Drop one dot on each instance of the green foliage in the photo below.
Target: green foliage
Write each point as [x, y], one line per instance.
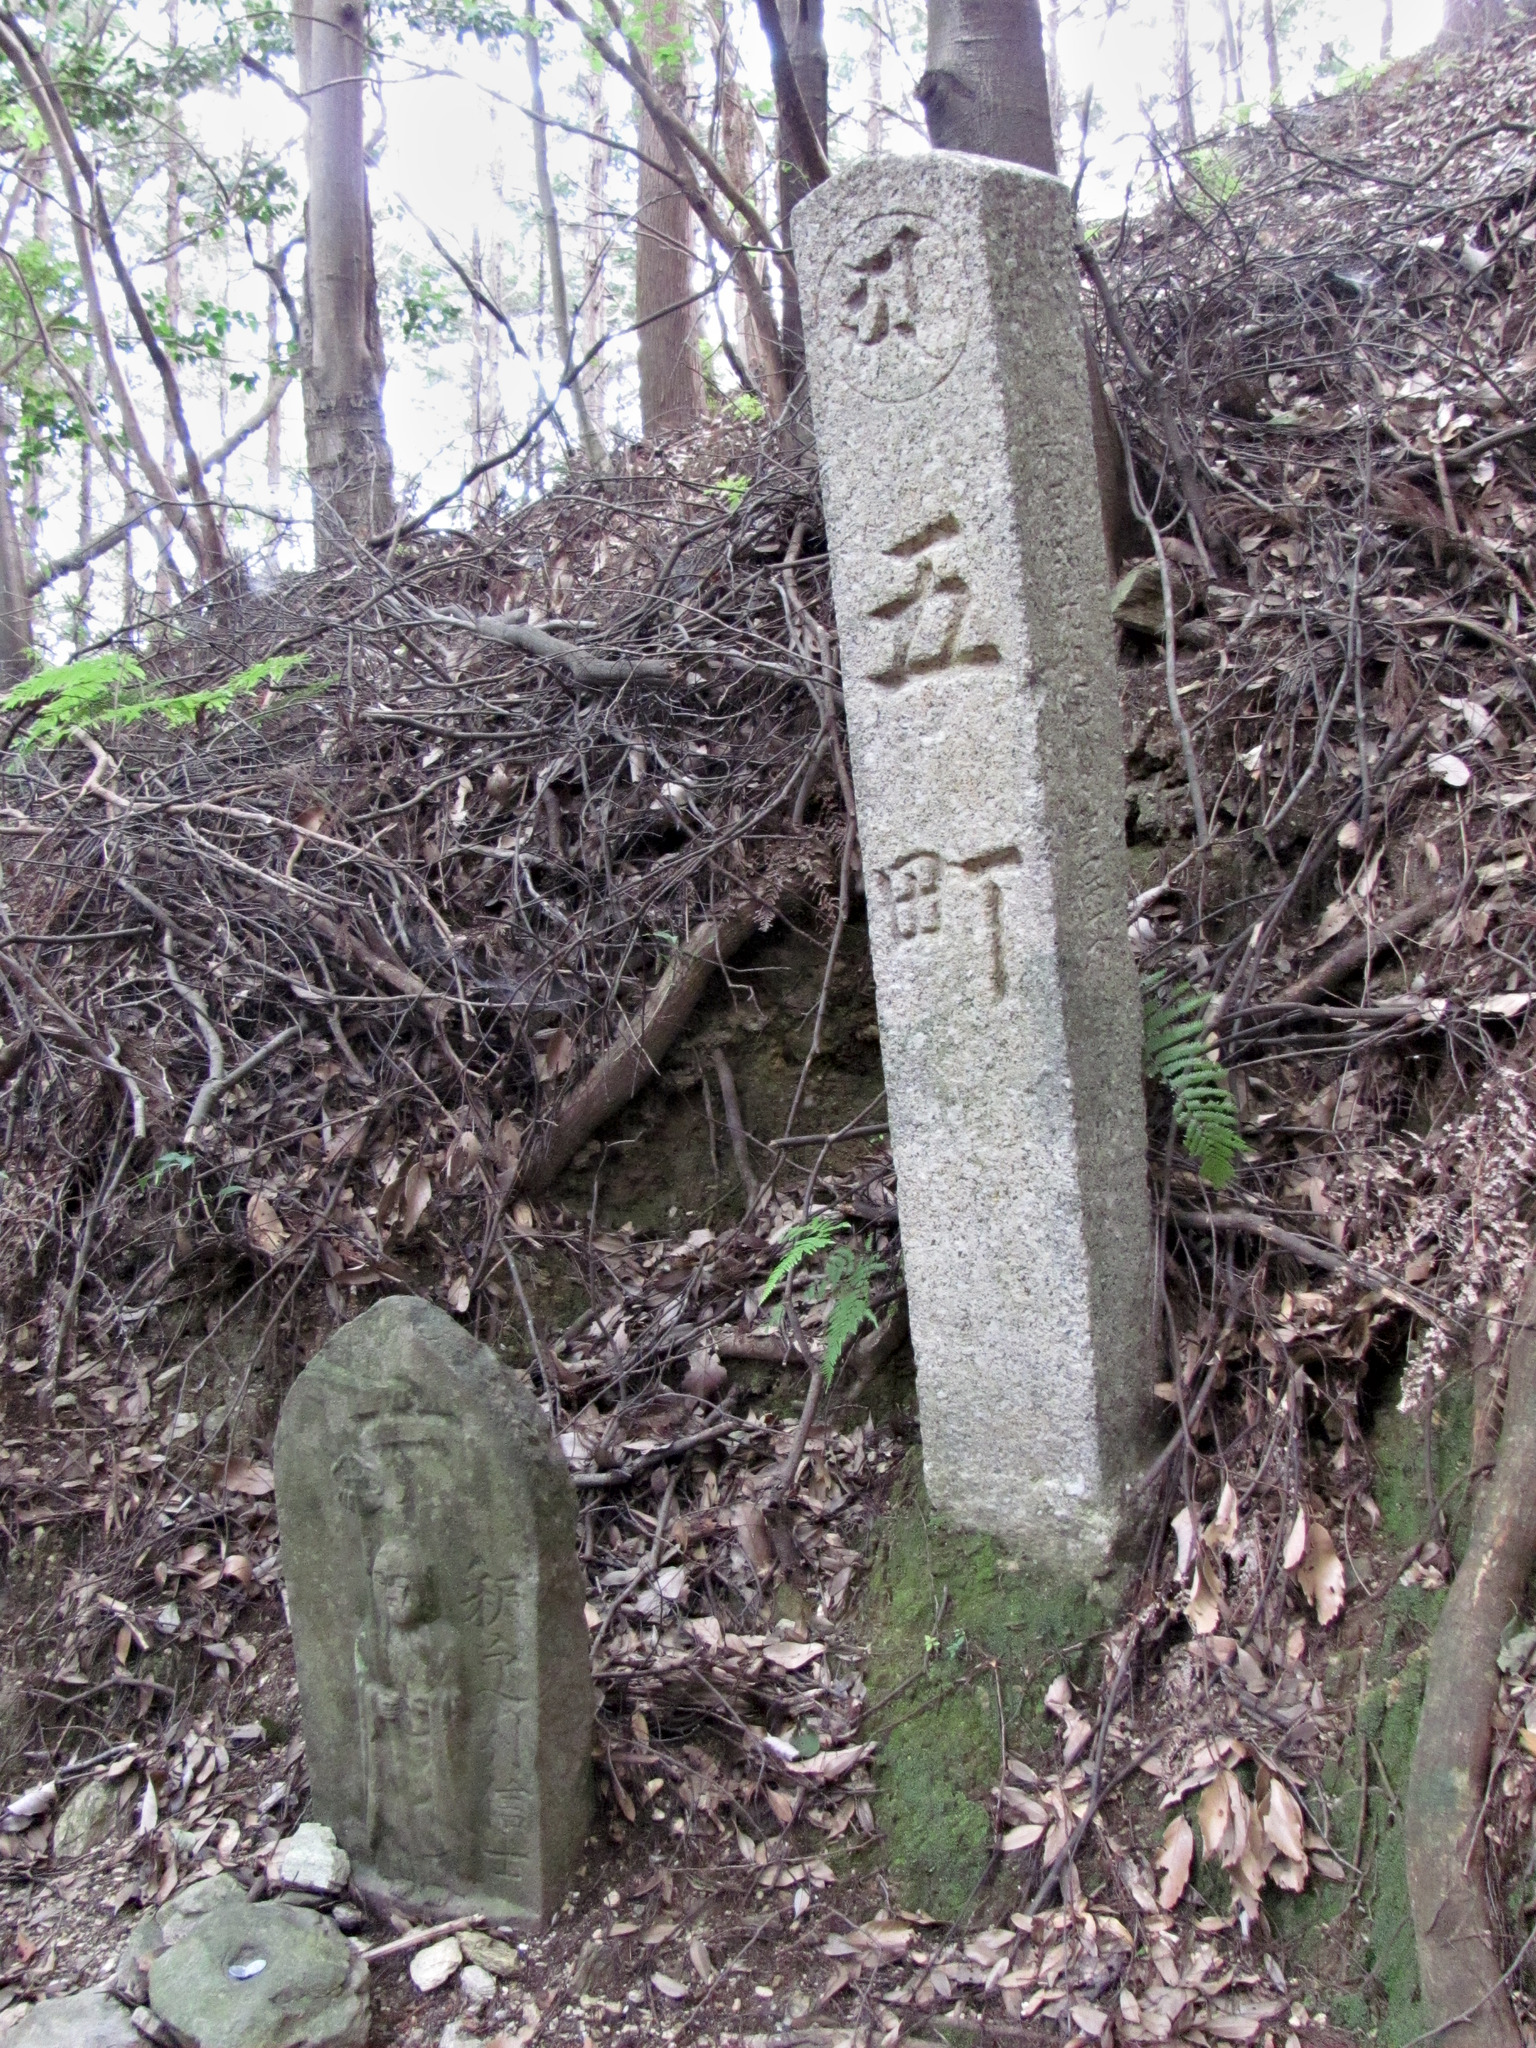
[202, 338]
[846, 1281]
[110, 689]
[746, 406]
[1215, 175]
[732, 489]
[424, 302]
[1181, 1054]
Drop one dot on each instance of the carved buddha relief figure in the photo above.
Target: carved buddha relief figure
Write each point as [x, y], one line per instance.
[411, 1702]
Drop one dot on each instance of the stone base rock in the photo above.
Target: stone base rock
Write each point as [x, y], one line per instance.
[162, 1927]
[262, 1976]
[89, 2019]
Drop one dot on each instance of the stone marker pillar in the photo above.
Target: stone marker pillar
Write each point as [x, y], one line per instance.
[428, 1527]
[944, 342]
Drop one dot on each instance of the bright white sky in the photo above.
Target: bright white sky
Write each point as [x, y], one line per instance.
[456, 155]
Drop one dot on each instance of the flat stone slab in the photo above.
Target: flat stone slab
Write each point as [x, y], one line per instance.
[161, 1927]
[945, 348]
[262, 1976]
[86, 2019]
[428, 1528]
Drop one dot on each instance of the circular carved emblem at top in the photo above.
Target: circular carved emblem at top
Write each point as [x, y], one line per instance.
[896, 328]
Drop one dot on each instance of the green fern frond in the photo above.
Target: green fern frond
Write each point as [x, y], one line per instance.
[108, 689]
[804, 1241]
[846, 1282]
[1180, 1053]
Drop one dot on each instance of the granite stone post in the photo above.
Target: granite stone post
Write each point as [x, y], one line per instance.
[428, 1527]
[945, 350]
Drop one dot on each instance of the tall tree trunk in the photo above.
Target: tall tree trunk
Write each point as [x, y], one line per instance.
[874, 54]
[671, 382]
[351, 474]
[1466, 21]
[985, 91]
[15, 609]
[275, 417]
[559, 305]
[985, 88]
[1053, 74]
[1231, 54]
[1386, 30]
[175, 151]
[1272, 52]
[594, 279]
[83, 588]
[1183, 76]
[806, 38]
[739, 153]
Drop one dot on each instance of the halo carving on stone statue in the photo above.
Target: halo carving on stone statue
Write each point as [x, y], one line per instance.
[899, 329]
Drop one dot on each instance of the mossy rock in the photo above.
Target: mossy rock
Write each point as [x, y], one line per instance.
[971, 1637]
[1357, 1938]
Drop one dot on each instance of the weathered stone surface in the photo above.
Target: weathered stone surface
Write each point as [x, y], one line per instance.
[311, 1860]
[87, 2019]
[499, 1958]
[944, 339]
[88, 1818]
[163, 1926]
[262, 1976]
[428, 1525]
[432, 1967]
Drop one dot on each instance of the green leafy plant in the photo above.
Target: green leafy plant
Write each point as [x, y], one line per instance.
[110, 689]
[846, 1280]
[1180, 1053]
[732, 489]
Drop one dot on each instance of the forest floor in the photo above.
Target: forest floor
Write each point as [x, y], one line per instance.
[304, 979]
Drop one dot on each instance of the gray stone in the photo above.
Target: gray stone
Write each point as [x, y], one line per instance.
[948, 386]
[310, 1860]
[88, 2019]
[262, 1976]
[88, 1818]
[432, 1967]
[429, 1551]
[163, 1926]
[477, 1984]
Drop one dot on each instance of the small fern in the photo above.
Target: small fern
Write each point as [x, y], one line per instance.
[110, 689]
[1181, 1053]
[846, 1281]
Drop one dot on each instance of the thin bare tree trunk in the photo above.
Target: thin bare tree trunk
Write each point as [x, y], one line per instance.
[1053, 73]
[1231, 55]
[351, 473]
[874, 60]
[174, 155]
[738, 150]
[1465, 2002]
[594, 283]
[275, 417]
[1272, 52]
[671, 381]
[1183, 76]
[15, 610]
[559, 305]
[82, 631]
[805, 38]
[1386, 30]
